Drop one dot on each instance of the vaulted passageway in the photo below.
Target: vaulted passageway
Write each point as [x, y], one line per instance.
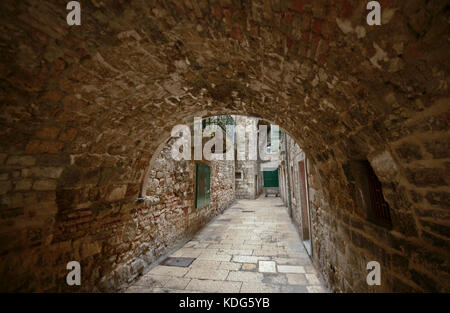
[85, 108]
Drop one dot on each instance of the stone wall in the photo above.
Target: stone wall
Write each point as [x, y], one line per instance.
[114, 241]
[413, 254]
[295, 154]
[84, 109]
[247, 187]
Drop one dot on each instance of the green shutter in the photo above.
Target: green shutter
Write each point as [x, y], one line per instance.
[271, 179]
[208, 185]
[202, 185]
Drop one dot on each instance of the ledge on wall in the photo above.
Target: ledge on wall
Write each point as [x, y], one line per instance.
[148, 200]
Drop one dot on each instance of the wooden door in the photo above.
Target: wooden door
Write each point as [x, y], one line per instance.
[306, 234]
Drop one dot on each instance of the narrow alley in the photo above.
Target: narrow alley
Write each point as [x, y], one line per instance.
[252, 247]
[286, 146]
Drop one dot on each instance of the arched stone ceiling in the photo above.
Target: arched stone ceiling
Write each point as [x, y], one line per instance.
[107, 93]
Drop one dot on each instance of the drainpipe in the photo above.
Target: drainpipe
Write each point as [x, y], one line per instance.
[288, 176]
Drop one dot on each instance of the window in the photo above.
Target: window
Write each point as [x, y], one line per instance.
[224, 122]
[275, 136]
[220, 120]
[380, 210]
[238, 175]
[202, 185]
[368, 192]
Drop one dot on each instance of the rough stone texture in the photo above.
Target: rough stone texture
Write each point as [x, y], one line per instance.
[114, 242]
[413, 254]
[96, 101]
[250, 185]
[295, 154]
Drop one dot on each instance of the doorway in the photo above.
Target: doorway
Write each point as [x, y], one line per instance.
[306, 225]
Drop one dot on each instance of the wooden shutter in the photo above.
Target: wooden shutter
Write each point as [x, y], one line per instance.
[202, 185]
[271, 179]
[303, 199]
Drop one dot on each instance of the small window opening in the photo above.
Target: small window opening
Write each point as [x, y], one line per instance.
[368, 192]
[380, 210]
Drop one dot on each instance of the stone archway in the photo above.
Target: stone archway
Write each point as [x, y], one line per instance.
[84, 109]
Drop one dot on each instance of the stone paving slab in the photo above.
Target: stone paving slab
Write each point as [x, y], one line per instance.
[248, 258]
[231, 266]
[177, 283]
[291, 269]
[248, 267]
[315, 289]
[207, 273]
[312, 279]
[152, 280]
[252, 287]
[267, 266]
[215, 257]
[169, 271]
[254, 252]
[245, 276]
[275, 278]
[297, 279]
[214, 286]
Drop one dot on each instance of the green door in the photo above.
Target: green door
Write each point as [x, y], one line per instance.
[202, 186]
[271, 179]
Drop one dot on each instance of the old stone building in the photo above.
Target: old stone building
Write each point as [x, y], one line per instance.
[294, 189]
[249, 180]
[88, 109]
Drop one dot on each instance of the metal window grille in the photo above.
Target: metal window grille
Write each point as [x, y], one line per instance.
[380, 208]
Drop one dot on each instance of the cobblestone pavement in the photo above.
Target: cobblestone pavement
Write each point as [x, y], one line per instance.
[252, 247]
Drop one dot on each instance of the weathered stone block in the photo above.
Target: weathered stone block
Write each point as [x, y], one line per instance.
[424, 280]
[384, 166]
[48, 172]
[409, 152]
[5, 186]
[37, 146]
[21, 160]
[90, 248]
[48, 132]
[443, 230]
[44, 184]
[404, 222]
[424, 177]
[23, 184]
[68, 134]
[439, 199]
